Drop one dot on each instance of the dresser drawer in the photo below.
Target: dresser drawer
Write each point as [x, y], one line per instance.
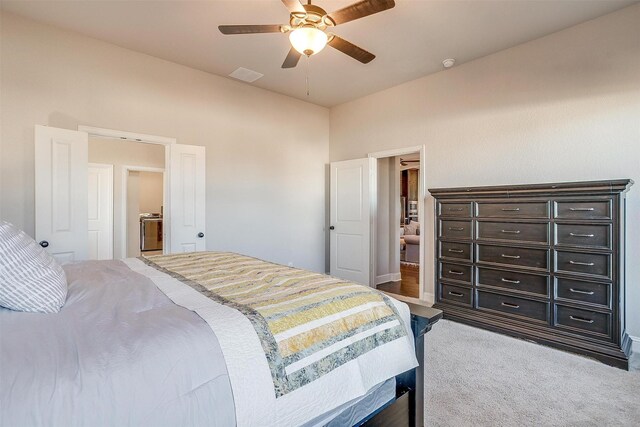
[583, 321]
[521, 257]
[592, 264]
[583, 291]
[455, 209]
[513, 210]
[595, 209]
[461, 251]
[460, 273]
[456, 294]
[513, 231]
[455, 229]
[521, 282]
[535, 310]
[592, 236]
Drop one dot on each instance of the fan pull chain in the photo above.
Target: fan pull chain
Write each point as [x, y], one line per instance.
[306, 72]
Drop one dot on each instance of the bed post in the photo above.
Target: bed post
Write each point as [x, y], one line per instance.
[422, 319]
[408, 407]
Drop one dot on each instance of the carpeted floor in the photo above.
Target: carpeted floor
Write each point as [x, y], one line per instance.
[479, 378]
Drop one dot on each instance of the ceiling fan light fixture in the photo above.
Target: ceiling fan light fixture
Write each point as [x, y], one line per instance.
[308, 40]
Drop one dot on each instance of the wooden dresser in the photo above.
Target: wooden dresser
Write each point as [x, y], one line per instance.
[543, 262]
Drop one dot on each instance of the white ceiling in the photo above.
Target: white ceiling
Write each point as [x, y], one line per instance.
[410, 40]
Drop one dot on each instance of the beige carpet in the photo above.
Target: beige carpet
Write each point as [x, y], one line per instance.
[479, 378]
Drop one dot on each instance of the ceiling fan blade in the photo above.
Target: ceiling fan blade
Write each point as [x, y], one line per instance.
[360, 10]
[292, 59]
[351, 49]
[248, 29]
[294, 6]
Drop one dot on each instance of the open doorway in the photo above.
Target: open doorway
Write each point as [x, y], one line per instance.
[62, 202]
[398, 242]
[126, 198]
[145, 211]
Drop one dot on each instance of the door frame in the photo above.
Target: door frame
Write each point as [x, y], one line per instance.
[422, 198]
[125, 181]
[109, 207]
[144, 139]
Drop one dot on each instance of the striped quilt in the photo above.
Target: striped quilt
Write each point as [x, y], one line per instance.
[308, 324]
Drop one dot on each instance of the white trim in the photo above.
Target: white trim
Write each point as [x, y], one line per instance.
[373, 219]
[391, 277]
[397, 152]
[635, 344]
[422, 198]
[123, 201]
[130, 136]
[429, 298]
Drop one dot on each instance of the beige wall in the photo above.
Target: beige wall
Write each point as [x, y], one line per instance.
[151, 186]
[63, 79]
[565, 107]
[127, 153]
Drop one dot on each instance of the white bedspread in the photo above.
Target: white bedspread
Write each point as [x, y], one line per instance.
[251, 382]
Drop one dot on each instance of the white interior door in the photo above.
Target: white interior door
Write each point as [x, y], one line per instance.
[61, 161]
[186, 182]
[350, 220]
[100, 208]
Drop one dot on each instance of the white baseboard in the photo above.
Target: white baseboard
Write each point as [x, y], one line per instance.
[428, 297]
[391, 277]
[635, 344]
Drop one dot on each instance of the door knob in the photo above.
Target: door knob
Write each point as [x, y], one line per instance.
[201, 234]
[44, 243]
[332, 228]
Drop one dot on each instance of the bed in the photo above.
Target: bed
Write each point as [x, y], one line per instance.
[216, 339]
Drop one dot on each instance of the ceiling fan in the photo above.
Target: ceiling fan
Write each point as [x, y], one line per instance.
[308, 26]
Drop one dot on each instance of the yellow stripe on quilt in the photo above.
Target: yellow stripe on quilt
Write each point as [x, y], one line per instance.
[280, 286]
[295, 295]
[295, 301]
[255, 285]
[275, 294]
[338, 327]
[296, 319]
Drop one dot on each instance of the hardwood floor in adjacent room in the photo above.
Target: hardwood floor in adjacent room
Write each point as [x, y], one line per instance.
[408, 286]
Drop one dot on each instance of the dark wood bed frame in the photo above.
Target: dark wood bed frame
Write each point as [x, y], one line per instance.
[407, 409]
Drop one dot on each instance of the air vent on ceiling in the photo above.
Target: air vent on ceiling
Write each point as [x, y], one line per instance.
[246, 75]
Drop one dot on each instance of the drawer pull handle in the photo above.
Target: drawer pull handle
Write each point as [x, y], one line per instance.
[457, 273]
[456, 294]
[581, 209]
[510, 256]
[456, 251]
[508, 304]
[580, 319]
[580, 235]
[587, 264]
[455, 209]
[456, 228]
[510, 231]
[578, 291]
[510, 209]
[510, 281]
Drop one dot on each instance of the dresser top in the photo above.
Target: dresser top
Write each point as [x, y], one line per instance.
[583, 187]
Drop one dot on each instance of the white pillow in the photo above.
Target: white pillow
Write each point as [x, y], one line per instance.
[412, 228]
[417, 225]
[30, 279]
